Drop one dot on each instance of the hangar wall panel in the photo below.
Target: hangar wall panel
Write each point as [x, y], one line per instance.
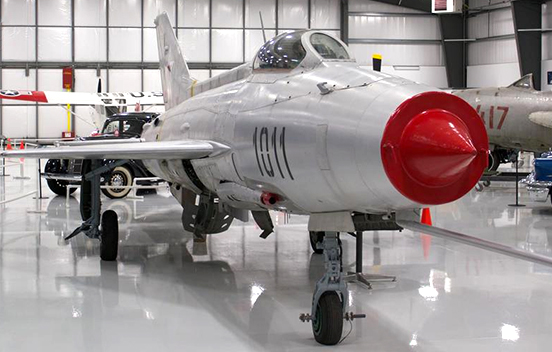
[19, 121]
[492, 52]
[87, 80]
[398, 54]
[58, 38]
[491, 24]
[50, 80]
[124, 44]
[493, 58]
[267, 9]
[325, 14]
[394, 27]
[152, 81]
[434, 76]
[374, 6]
[149, 51]
[90, 12]
[227, 13]
[293, 13]
[227, 45]
[193, 13]
[22, 12]
[90, 44]
[125, 80]
[54, 12]
[18, 44]
[483, 3]
[496, 75]
[51, 121]
[192, 42]
[124, 13]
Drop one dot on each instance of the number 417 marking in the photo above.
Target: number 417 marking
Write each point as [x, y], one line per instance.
[492, 108]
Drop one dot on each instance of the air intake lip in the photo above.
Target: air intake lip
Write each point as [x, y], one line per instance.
[434, 148]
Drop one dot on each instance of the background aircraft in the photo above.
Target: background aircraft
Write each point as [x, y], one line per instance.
[517, 117]
[105, 104]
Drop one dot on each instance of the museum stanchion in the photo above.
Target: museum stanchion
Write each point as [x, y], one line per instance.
[357, 275]
[517, 204]
[40, 196]
[3, 160]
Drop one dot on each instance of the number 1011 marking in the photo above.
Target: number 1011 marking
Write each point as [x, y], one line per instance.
[270, 151]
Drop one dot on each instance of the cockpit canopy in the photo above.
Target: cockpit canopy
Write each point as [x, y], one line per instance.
[287, 50]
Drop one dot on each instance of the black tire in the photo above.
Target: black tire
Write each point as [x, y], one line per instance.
[109, 240]
[494, 161]
[316, 237]
[59, 187]
[121, 176]
[327, 326]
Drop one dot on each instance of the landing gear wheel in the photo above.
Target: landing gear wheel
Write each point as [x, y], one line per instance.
[327, 326]
[109, 240]
[315, 238]
[486, 183]
[494, 161]
[120, 176]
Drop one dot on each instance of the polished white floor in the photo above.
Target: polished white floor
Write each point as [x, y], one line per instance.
[238, 292]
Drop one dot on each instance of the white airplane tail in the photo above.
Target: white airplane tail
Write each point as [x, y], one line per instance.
[175, 76]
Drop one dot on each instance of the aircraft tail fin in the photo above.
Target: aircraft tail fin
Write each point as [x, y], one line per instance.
[175, 76]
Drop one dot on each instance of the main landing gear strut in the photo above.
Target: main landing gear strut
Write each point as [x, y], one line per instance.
[108, 232]
[330, 298]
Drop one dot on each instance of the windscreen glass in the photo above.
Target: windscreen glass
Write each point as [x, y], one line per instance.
[328, 47]
[282, 52]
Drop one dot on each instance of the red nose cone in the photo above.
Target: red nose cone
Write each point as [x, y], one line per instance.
[434, 148]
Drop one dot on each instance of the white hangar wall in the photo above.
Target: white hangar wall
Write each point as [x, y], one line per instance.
[492, 57]
[120, 36]
[408, 40]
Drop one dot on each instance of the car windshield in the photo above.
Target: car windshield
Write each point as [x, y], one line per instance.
[328, 47]
[282, 52]
[111, 127]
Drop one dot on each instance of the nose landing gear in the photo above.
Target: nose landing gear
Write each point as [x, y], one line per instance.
[330, 295]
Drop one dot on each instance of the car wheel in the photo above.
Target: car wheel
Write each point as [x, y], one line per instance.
[59, 187]
[121, 176]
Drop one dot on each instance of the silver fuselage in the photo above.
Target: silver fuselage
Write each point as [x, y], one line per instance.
[505, 113]
[288, 138]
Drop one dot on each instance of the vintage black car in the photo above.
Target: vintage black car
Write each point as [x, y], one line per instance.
[60, 174]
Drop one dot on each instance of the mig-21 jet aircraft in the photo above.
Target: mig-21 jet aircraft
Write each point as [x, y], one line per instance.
[301, 129]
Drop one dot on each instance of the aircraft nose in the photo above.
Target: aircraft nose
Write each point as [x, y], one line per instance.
[434, 148]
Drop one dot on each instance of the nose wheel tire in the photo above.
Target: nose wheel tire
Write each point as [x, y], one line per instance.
[315, 238]
[109, 240]
[120, 176]
[327, 326]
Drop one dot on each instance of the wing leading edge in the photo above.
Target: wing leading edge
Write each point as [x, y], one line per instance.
[165, 150]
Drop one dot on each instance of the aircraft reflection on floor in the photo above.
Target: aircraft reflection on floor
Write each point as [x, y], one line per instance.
[242, 291]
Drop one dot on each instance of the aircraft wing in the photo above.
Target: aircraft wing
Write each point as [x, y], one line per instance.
[543, 118]
[140, 150]
[79, 98]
